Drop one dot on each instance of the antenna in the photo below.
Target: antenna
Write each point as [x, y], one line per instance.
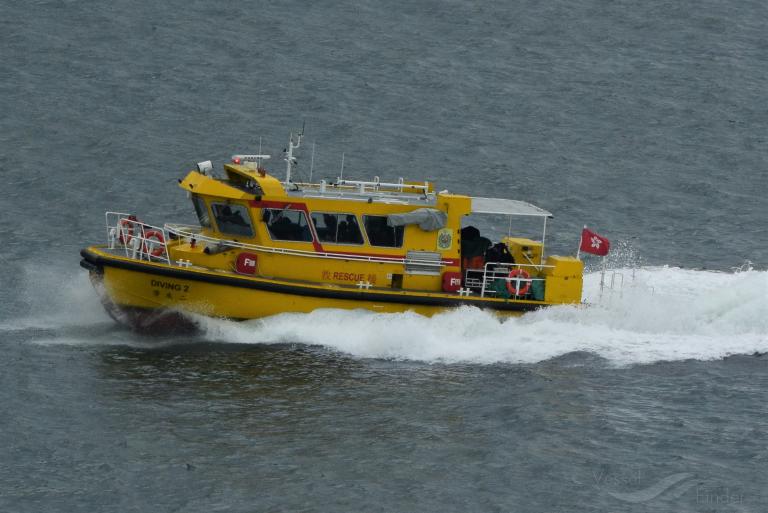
[312, 163]
[258, 162]
[341, 173]
[290, 160]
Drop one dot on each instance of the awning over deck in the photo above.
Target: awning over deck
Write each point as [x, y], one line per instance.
[507, 207]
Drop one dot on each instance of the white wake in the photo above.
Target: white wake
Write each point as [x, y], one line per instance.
[664, 313]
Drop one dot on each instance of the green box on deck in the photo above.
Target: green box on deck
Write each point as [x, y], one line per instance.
[500, 287]
[537, 290]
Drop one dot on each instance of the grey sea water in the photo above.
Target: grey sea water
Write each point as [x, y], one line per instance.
[646, 121]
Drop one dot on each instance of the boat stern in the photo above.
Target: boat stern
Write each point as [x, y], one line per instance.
[564, 278]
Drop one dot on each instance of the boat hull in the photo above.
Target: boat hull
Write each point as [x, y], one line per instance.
[156, 297]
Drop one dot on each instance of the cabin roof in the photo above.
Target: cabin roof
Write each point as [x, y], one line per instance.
[367, 197]
[250, 183]
[506, 207]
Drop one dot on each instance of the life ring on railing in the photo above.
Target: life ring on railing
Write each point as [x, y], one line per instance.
[517, 275]
[126, 228]
[154, 239]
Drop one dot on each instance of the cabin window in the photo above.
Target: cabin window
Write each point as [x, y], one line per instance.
[337, 228]
[202, 211]
[285, 224]
[232, 219]
[381, 234]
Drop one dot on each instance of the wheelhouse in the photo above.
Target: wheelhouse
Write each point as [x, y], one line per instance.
[400, 235]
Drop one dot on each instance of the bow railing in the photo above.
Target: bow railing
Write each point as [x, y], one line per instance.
[139, 240]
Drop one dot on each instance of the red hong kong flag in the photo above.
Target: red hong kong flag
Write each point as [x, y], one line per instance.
[594, 243]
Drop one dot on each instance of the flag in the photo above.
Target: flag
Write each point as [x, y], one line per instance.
[594, 243]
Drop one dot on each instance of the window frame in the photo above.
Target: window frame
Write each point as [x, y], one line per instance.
[367, 235]
[198, 200]
[360, 229]
[312, 237]
[251, 226]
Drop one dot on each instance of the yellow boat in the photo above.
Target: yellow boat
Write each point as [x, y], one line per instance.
[265, 246]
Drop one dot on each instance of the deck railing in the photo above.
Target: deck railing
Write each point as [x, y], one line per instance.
[193, 232]
[140, 241]
[494, 271]
[143, 241]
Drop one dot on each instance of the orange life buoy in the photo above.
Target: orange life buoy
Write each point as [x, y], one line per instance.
[517, 275]
[127, 228]
[156, 241]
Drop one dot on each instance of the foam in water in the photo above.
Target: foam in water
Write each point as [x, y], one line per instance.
[55, 298]
[664, 313]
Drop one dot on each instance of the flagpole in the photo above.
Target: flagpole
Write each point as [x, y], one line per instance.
[602, 278]
[578, 250]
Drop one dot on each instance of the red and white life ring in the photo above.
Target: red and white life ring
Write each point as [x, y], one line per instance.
[154, 243]
[517, 276]
[126, 229]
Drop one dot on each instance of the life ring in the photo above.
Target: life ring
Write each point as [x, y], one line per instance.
[155, 240]
[126, 228]
[517, 275]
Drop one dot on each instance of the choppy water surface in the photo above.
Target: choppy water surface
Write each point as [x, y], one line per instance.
[645, 121]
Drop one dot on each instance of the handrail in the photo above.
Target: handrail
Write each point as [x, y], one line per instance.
[494, 274]
[184, 231]
[132, 234]
[138, 246]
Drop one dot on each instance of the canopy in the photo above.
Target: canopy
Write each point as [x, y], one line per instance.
[428, 219]
[506, 207]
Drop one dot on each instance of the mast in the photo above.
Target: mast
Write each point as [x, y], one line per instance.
[290, 160]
